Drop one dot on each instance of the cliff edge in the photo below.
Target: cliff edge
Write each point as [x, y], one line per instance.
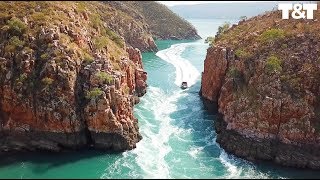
[67, 80]
[263, 78]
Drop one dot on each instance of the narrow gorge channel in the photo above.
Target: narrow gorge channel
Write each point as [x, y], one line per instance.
[178, 134]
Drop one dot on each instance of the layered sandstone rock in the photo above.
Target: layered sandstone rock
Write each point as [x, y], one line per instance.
[66, 86]
[267, 91]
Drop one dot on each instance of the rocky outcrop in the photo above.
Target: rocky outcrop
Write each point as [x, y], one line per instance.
[306, 156]
[212, 78]
[266, 87]
[158, 20]
[140, 74]
[65, 86]
[130, 28]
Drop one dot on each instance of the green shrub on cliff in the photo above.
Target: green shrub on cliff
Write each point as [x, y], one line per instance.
[272, 35]
[223, 28]
[273, 64]
[242, 53]
[118, 41]
[87, 58]
[243, 18]
[96, 20]
[126, 90]
[94, 93]
[16, 26]
[284, 46]
[39, 17]
[209, 40]
[27, 50]
[21, 79]
[104, 77]
[116, 66]
[100, 42]
[81, 7]
[114, 37]
[233, 72]
[47, 81]
[15, 41]
[13, 44]
[44, 56]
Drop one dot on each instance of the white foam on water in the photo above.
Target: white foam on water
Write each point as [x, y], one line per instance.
[194, 151]
[151, 150]
[149, 155]
[246, 171]
[227, 162]
[185, 71]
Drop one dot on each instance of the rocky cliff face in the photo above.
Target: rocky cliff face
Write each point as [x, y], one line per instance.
[157, 19]
[263, 75]
[67, 81]
[130, 25]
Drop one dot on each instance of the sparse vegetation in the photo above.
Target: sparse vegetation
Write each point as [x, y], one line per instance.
[210, 40]
[21, 78]
[87, 58]
[223, 28]
[47, 81]
[9, 48]
[104, 77]
[14, 44]
[161, 20]
[272, 35]
[284, 46]
[273, 64]
[234, 72]
[114, 37]
[100, 42]
[15, 41]
[96, 20]
[27, 50]
[94, 93]
[116, 66]
[118, 41]
[81, 7]
[240, 53]
[243, 18]
[16, 26]
[40, 17]
[64, 38]
[44, 56]
[127, 90]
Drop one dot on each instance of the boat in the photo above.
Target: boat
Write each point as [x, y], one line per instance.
[184, 85]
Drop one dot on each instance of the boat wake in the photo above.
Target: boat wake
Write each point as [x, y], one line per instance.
[185, 71]
[178, 141]
[154, 120]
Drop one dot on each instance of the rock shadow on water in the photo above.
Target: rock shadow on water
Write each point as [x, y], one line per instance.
[44, 161]
[201, 122]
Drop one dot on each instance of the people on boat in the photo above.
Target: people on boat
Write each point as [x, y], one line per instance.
[184, 85]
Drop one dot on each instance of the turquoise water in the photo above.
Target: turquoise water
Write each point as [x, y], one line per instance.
[178, 134]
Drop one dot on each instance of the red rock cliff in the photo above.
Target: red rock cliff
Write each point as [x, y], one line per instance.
[66, 83]
[266, 85]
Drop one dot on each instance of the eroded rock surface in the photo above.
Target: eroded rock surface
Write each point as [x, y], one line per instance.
[66, 84]
[266, 87]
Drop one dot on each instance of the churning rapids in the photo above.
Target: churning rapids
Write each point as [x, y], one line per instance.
[178, 135]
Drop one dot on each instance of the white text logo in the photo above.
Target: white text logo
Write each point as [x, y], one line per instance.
[299, 10]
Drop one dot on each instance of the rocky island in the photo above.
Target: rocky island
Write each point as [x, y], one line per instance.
[71, 72]
[263, 78]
